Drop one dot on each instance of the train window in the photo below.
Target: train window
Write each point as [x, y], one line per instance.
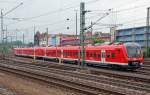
[108, 55]
[91, 54]
[113, 55]
[66, 53]
[94, 55]
[118, 51]
[99, 55]
[70, 53]
[63, 53]
[76, 54]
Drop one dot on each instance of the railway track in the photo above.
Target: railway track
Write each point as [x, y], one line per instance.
[102, 79]
[59, 80]
[127, 85]
[135, 76]
[143, 70]
[75, 83]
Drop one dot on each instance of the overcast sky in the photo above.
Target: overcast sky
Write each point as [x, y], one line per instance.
[52, 14]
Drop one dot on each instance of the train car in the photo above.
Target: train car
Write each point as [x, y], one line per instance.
[127, 55]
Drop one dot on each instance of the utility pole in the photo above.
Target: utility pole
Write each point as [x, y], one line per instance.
[34, 57]
[6, 35]
[23, 39]
[76, 35]
[34, 36]
[113, 33]
[17, 37]
[2, 26]
[147, 30]
[47, 36]
[10, 41]
[2, 30]
[82, 28]
[92, 38]
[76, 24]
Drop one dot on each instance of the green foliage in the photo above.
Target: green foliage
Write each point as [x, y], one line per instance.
[17, 43]
[98, 41]
[146, 52]
[5, 48]
[30, 44]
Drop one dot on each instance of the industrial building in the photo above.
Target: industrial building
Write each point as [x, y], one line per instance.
[135, 34]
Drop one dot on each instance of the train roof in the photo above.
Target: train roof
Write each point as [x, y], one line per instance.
[76, 47]
[112, 46]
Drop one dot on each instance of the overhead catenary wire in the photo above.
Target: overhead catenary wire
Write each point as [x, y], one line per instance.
[124, 9]
[56, 11]
[54, 23]
[62, 21]
[121, 10]
[13, 9]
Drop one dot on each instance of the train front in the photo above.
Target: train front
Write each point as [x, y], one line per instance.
[134, 55]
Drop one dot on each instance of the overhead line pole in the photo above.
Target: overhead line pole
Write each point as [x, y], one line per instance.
[92, 38]
[34, 57]
[6, 35]
[147, 30]
[2, 24]
[34, 34]
[2, 30]
[23, 39]
[76, 24]
[47, 37]
[82, 29]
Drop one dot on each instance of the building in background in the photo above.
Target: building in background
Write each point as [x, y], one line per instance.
[88, 38]
[44, 39]
[54, 40]
[136, 34]
[113, 34]
[70, 41]
[102, 36]
[37, 38]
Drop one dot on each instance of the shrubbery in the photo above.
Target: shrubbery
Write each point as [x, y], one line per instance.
[146, 52]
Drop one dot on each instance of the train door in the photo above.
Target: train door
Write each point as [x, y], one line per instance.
[61, 55]
[103, 54]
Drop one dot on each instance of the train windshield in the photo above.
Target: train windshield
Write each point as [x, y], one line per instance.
[133, 50]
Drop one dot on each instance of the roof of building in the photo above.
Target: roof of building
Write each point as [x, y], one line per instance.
[131, 28]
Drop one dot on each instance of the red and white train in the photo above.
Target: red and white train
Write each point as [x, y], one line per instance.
[127, 55]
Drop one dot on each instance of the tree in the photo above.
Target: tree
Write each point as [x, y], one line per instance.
[98, 41]
[30, 44]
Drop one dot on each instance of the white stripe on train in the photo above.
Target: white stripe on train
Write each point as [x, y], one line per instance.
[71, 59]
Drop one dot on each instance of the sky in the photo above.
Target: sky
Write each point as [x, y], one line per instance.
[53, 14]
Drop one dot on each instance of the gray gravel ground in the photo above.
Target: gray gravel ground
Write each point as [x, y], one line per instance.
[5, 91]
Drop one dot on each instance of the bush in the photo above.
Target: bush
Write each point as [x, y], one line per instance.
[146, 52]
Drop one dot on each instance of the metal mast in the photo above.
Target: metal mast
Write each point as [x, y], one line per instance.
[147, 30]
[82, 28]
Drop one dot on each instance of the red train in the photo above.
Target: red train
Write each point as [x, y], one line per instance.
[127, 55]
